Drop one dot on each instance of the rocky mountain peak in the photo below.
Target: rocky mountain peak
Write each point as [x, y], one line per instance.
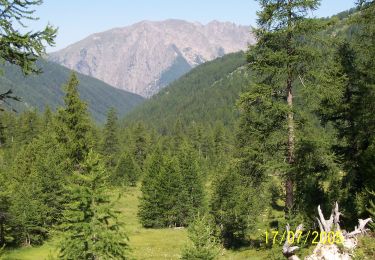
[145, 57]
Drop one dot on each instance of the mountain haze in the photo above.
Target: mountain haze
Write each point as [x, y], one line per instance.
[147, 56]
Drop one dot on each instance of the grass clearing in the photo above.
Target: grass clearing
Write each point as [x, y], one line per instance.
[145, 243]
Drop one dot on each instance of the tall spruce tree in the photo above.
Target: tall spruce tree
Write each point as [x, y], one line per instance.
[150, 212]
[91, 227]
[191, 194]
[140, 144]
[110, 143]
[73, 123]
[170, 185]
[279, 60]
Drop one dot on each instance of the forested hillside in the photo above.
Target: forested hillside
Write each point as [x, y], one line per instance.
[206, 94]
[38, 91]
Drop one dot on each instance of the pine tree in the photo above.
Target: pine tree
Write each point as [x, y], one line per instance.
[172, 189]
[361, 165]
[351, 112]
[91, 228]
[36, 189]
[73, 123]
[28, 127]
[127, 171]
[280, 58]
[110, 144]
[203, 245]
[47, 118]
[170, 183]
[27, 210]
[235, 207]
[150, 211]
[141, 143]
[191, 194]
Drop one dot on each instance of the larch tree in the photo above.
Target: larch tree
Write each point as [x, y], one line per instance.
[22, 48]
[352, 112]
[280, 59]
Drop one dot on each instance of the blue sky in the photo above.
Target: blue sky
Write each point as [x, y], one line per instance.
[77, 19]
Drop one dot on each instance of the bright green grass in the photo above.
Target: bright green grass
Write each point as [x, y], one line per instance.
[144, 243]
[32, 253]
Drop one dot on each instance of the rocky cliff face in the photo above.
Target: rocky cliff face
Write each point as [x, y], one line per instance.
[145, 57]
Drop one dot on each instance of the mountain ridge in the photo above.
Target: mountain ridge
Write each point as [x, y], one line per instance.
[135, 58]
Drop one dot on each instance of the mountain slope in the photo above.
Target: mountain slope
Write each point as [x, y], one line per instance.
[45, 89]
[206, 94]
[145, 57]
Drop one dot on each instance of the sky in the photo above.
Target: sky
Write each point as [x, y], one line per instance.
[76, 19]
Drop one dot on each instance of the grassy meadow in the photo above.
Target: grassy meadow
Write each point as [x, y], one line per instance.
[145, 243]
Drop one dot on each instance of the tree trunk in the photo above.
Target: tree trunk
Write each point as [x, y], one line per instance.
[2, 220]
[289, 180]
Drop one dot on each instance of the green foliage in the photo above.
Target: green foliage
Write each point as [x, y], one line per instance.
[150, 203]
[28, 126]
[236, 208]
[73, 123]
[127, 171]
[203, 244]
[170, 183]
[40, 90]
[371, 208]
[280, 57]
[351, 112]
[366, 248]
[172, 189]
[140, 144]
[191, 193]
[207, 94]
[36, 189]
[110, 143]
[22, 49]
[90, 225]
